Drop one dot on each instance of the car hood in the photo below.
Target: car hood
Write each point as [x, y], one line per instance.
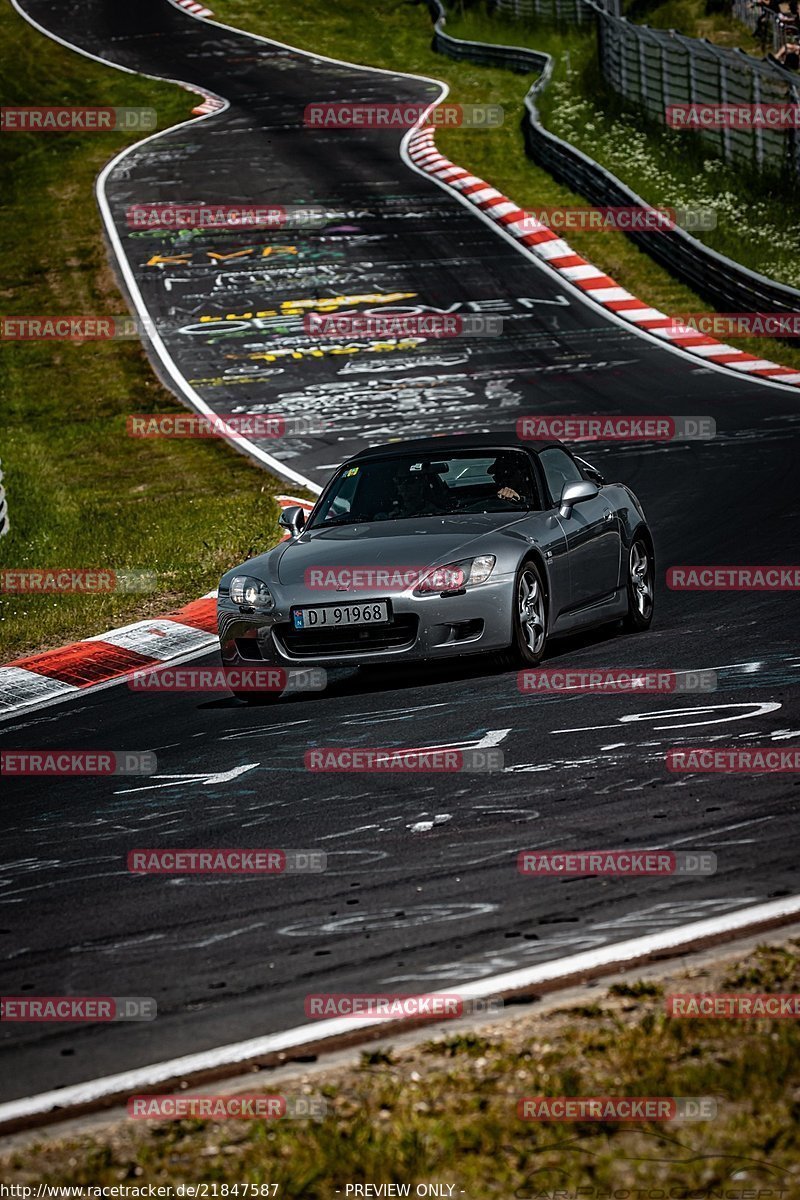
[417, 542]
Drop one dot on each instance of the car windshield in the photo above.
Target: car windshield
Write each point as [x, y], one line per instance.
[390, 489]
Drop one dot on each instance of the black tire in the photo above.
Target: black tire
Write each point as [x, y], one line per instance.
[640, 583]
[529, 639]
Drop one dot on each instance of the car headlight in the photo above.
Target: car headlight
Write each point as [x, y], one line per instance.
[454, 576]
[251, 593]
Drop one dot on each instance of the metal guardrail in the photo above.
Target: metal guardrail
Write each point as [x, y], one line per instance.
[572, 12]
[727, 285]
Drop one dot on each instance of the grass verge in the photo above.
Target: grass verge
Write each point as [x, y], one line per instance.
[444, 1110]
[80, 492]
[396, 34]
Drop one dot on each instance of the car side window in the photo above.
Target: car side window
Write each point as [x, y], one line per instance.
[342, 501]
[558, 469]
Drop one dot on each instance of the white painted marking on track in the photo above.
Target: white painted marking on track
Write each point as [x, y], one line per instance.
[206, 778]
[428, 824]
[755, 709]
[617, 953]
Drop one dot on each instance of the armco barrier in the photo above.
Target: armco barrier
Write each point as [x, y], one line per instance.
[574, 12]
[728, 286]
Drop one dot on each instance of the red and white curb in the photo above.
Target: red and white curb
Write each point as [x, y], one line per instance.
[209, 104]
[546, 245]
[27, 683]
[196, 9]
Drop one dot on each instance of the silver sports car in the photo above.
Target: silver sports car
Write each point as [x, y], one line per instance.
[438, 547]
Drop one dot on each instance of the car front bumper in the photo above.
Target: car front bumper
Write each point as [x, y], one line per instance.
[422, 627]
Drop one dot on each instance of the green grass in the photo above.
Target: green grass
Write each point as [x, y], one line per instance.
[80, 492]
[445, 1110]
[400, 39]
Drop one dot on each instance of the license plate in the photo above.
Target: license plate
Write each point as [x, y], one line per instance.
[331, 616]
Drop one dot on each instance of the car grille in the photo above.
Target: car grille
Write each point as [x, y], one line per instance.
[350, 639]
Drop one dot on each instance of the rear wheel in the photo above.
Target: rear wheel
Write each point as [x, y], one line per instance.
[641, 586]
[529, 615]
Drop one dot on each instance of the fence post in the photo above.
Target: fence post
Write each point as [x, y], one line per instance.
[759, 132]
[723, 95]
[665, 74]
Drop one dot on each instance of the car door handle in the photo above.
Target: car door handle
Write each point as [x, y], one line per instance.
[609, 516]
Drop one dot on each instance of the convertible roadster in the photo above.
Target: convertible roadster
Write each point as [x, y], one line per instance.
[440, 547]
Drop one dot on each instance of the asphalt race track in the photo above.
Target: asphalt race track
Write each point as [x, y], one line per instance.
[421, 889]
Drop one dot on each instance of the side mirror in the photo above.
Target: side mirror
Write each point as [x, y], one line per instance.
[293, 519]
[576, 493]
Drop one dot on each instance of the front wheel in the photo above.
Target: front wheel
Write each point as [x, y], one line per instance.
[529, 615]
[641, 586]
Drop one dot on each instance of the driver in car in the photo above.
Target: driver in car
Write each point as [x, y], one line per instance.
[509, 478]
[419, 494]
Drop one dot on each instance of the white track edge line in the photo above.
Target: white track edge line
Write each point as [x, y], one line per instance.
[616, 954]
